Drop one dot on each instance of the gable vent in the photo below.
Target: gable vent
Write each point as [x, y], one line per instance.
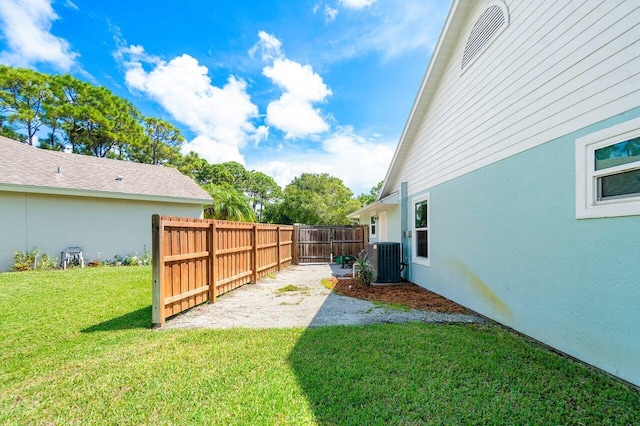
[491, 22]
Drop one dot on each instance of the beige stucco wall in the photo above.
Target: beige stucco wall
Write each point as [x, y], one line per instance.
[102, 227]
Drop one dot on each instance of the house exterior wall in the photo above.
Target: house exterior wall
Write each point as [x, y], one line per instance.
[393, 220]
[506, 243]
[102, 227]
[556, 68]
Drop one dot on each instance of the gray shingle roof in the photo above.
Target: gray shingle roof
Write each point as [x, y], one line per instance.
[26, 166]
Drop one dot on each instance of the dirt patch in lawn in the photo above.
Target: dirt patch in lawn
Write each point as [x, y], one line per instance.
[409, 295]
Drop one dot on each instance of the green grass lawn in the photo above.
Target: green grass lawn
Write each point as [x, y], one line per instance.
[77, 349]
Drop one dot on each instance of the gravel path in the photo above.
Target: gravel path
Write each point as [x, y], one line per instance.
[310, 304]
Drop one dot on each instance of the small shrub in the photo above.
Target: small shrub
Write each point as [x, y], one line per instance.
[146, 256]
[132, 259]
[365, 272]
[23, 261]
[48, 262]
[28, 260]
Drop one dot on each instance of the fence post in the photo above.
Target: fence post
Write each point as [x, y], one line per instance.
[254, 275]
[278, 246]
[212, 260]
[332, 234]
[365, 236]
[294, 246]
[157, 311]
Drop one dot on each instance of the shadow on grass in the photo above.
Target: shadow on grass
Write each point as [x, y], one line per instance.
[358, 375]
[449, 374]
[132, 320]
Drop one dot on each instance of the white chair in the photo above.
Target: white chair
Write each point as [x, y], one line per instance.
[73, 256]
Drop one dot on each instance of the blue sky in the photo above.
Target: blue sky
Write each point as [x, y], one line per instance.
[284, 87]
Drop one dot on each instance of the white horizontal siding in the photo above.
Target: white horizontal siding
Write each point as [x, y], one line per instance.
[558, 67]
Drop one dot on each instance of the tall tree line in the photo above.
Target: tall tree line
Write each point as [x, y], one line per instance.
[86, 119]
[81, 118]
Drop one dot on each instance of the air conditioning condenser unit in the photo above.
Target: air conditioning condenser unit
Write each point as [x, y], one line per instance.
[386, 262]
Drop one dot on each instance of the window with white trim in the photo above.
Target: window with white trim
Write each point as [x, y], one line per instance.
[373, 226]
[421, 237]
[608, 172]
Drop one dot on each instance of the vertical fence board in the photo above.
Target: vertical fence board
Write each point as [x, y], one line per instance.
[254, 255]
[175, 269]
[211, 261]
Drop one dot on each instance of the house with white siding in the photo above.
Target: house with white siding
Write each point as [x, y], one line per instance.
[56, 200]
[515, 187]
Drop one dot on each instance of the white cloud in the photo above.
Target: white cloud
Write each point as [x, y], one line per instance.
[293, 113]
[330, 13]
[261, 134]
[359, 162]
[26, 25]
[213, 151]
[356, 4]
[298, 80]
[71, 5]
[391, 28]
[269, 46]
[220, 116]
[296, 117]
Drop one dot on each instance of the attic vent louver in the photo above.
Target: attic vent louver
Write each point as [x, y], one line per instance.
[494, 19]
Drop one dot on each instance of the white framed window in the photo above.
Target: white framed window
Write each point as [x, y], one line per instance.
[421, 231]
[608, 172]
[373, 227]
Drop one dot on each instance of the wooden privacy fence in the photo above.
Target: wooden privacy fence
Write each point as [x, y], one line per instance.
[195, 260]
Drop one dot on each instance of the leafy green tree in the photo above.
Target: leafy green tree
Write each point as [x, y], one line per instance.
[230, 173]
[23, 96]
[191, 165]
[371, 196]
[161, 144]
[262, 190]
[92, 120]
[52, 143]
[117, 127]
[8, 131]
[228, 204]
[314, 199]
[62, 117]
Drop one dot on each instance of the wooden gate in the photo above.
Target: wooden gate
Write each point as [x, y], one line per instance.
[320, 244]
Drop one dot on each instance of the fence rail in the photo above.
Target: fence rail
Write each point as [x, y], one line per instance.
[195, 260]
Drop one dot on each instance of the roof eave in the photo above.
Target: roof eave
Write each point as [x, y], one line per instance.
[47, 190]
[391, 199]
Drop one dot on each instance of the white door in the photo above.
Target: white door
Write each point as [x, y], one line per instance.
[382, 225]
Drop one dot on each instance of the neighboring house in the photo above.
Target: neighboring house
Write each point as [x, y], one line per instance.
[515, 186]
[54, 200]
